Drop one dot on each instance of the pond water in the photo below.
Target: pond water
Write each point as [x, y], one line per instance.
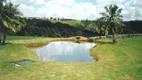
[65, 52]
[23, 62]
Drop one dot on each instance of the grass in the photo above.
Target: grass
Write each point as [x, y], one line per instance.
[121, 61]
[73, 23]
[21, 37]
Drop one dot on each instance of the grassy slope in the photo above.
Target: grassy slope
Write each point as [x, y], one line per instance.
[122, 61]
[21, 37]
[74, 23]
[117, 62]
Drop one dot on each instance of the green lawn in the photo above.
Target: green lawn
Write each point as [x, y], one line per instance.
[21, 37]
[122, 61]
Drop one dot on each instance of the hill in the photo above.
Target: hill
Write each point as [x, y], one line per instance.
[52, 28]
[68, 28]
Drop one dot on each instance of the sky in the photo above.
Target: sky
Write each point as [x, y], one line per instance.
[78, 9]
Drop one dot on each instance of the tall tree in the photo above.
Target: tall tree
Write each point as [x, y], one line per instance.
[1, 8]
[113, 20]
[9, 18]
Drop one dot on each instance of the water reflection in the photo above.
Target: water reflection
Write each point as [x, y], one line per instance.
[65, 52]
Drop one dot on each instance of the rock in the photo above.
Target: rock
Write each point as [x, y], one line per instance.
[17, 65]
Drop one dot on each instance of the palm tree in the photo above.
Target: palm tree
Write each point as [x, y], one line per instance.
[1, 9]
[113, 20]
[9, 18]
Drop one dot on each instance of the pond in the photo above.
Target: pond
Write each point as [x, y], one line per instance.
[22, 62]
[63, 51]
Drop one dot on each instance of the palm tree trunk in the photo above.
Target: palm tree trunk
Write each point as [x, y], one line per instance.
[113, 39]
[0, 38]
[0, 33]
[4, 38]
[100, 35]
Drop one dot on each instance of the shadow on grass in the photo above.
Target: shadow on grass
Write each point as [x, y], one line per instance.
[102, 42]
[5, 44]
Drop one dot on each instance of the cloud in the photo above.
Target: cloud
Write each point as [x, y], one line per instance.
[37, 1]
[132, 9]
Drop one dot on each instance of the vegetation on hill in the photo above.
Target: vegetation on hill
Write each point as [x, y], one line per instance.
[73, 23]
[133, 27]
[67, 28]
[43, 27]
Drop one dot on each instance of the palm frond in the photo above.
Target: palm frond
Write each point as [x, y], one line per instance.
[10, 16]
[112, 19]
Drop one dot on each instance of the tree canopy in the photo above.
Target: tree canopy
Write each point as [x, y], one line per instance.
[112, 19]
[10, 18]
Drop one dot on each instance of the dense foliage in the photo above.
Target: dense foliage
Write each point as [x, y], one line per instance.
[44, 27]
[133, 27]
[66, 28]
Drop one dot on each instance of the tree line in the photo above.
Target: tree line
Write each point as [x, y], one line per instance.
[43, 27]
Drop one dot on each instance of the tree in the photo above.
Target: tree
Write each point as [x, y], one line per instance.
[100, 26]
[1, 5]
[113, 20]
[9, 18]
